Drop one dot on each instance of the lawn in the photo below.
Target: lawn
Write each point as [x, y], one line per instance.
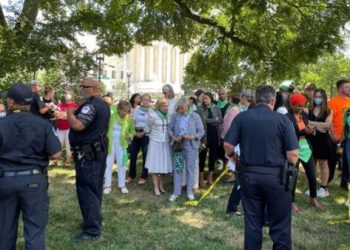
[142, 221]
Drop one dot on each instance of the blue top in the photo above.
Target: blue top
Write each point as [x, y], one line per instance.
[264, 137]
[183, 124]
[26, 142]
[194, 127]
[140, 117]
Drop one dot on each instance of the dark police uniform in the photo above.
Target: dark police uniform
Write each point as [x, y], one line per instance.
[264, 137]
[37, 104]
[90, 152]
[26, 141]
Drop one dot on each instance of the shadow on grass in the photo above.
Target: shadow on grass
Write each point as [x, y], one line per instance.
[142, 221]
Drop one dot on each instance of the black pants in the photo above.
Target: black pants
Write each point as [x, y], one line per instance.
[134, 149]
[26, 195]
[333, 161]
[89, 184]
[310, 172]
[235, 198]
[264, 197]
[212, 145]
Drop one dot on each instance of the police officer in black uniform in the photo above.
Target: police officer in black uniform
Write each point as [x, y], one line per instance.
[267, 140]
[26, 144]
[88, 139]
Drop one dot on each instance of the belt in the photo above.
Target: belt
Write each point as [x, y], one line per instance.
[262, 170]
[20, 173]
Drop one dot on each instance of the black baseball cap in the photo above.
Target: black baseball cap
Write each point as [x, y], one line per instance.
[21, 94]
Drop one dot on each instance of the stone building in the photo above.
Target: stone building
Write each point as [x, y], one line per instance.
[145, 69]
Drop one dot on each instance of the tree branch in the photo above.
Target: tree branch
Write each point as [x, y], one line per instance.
[27, 18]
[2, 18]
[230, 34]
[297, 7]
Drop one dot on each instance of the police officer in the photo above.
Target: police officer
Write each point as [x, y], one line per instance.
[26, 144]
[38, 107]
[88, 139]
[267, 139]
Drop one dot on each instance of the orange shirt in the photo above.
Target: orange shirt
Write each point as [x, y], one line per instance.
[338, 105]
[300, 122]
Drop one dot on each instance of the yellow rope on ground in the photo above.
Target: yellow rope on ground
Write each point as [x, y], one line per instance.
[206, 193]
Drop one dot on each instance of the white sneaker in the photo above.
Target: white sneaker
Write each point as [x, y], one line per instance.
[191, 197]
[124, 190]
[322, 192]
[346, 203]
[107, 190]
[307, 192]
[173, 197]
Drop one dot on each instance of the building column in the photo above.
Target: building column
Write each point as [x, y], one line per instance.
[177, 65]
[151, 64]
[142, 64]
[160, 63]
[125, 67]
[168, 64]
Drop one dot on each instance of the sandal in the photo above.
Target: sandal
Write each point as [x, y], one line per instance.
[142, 181]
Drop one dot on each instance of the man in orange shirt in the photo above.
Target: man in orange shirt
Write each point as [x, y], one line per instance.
[339, 104]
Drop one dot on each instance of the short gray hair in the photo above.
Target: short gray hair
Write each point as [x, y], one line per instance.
[183, 101]
[35, 82]
[169, 88]
[249, 94]
[265, 94]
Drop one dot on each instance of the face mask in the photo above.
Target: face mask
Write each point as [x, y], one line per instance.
[318, 101]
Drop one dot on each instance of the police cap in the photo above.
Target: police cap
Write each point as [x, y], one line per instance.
[21, 94]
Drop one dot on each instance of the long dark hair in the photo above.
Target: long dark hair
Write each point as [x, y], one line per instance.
[211, 97]
[324, 109]
[132, 99]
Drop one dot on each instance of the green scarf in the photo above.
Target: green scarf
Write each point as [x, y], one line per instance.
[304, 150]
[162, 115]
[189, 111]
[222, 104]
[144, 109]
[128, 128]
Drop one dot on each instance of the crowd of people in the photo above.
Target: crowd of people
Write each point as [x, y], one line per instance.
[182, 136]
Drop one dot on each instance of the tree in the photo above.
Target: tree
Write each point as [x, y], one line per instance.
[29, 43]
[242, 40]
[270, 37]
[326, 72]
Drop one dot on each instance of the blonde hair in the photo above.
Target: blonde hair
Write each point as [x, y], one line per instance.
[160, 102]
[123, 104]
[146, 95]
[108, 100]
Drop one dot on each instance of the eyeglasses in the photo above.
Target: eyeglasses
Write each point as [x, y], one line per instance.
[85, 86]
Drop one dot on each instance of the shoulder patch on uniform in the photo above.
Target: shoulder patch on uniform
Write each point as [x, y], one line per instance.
[85, 110]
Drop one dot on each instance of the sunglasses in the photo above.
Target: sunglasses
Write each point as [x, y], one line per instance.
[85, 86]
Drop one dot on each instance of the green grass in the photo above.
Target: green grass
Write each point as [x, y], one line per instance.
[142, 221]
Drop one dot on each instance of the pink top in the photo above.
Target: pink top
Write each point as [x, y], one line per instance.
[64, 124]
[230, 115]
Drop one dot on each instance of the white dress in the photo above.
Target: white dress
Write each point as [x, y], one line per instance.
[158, 160]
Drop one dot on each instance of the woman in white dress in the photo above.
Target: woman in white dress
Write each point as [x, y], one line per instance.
[158, 160]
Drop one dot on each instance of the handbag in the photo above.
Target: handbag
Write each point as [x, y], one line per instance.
[177, 146]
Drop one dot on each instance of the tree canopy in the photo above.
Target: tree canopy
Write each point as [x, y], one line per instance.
[234, 41]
